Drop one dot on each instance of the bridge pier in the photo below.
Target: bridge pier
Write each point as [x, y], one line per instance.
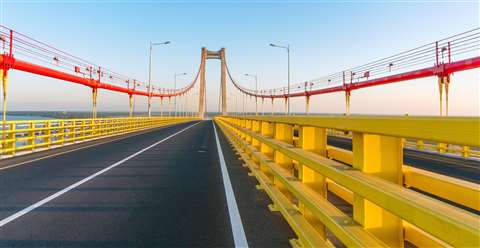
[347, 102]
[307, 105]
[272, 105]
[130, 102]
[443, 84]
[169, 106]
[94, 102]
[161, 106]
[261, 106]
[4, 78]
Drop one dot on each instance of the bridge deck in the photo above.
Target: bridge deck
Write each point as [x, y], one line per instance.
[171, 194]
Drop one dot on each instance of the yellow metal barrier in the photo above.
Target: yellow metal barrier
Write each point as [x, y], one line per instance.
[422, 145]
[296, 174]
[34, 135]
[455, 190]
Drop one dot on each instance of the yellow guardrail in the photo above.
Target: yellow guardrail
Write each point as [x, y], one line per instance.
[461, 150]
[34, 135]
[386, 212]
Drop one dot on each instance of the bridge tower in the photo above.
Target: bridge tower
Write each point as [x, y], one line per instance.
[206, 54]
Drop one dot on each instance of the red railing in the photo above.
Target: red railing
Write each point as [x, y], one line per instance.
[23, 53]
[440, 58]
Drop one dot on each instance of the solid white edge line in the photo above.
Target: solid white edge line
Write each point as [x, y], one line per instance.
[239, 237]
[65, 190]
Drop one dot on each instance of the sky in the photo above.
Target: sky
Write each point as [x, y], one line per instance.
[325, 37]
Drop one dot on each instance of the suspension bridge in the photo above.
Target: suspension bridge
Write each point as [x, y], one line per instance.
[247, 178]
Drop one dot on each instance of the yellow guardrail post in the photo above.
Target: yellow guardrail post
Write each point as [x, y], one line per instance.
[72, 132]
[94, 127]
[256, 128]
[31, 136]
[315, 140]
[267, 130]
[465, 151]
[83, 124]
[381, 156]
[420, 145]
[47, 139]
[442, 147]
[61, 132]
[283, 132]
[11, 143]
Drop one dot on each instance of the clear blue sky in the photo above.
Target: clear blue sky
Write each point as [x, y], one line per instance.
[325, 37]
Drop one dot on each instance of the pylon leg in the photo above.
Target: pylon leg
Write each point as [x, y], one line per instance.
[286, 105]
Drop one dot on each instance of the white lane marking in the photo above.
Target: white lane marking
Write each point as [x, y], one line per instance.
[63, 191]
[239, 237]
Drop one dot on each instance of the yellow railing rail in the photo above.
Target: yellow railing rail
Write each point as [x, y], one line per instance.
[298, 174]
[422, 145]
[33, 135]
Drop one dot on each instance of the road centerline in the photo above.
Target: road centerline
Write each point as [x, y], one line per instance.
[32, 207]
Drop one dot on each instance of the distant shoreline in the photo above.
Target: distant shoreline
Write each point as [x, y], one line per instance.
[43, 115]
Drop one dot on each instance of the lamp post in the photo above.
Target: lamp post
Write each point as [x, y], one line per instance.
[175, 88]
[256, 90]
[288, 61]
[152, 44]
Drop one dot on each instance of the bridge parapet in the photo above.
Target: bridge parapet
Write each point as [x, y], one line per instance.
[293, 163]
[36, 135]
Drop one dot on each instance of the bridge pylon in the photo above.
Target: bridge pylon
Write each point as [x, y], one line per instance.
[206, 54]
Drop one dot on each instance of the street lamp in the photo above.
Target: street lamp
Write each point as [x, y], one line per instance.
[152, 44]
[256, 90]
[175, 88]
[288, 58]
